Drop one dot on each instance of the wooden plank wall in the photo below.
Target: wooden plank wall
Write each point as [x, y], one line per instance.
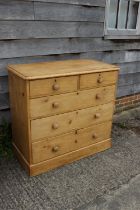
[44, 30]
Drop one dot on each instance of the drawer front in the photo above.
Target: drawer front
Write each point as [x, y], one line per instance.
[50, 148]
[51, 105]
[53, 86]
[58, 124]
[98, 79]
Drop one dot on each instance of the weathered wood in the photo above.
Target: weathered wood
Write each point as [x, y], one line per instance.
[100, 3]
[49, 29]
[4, 101]
[128, 68]
[5, 116]
[112, 56]
[137, 78]
[126, 79]
[129, 79]
[33, 47]
[137, 88]
[48, 11]
[3, 85]
[125, 90]
[16, 10]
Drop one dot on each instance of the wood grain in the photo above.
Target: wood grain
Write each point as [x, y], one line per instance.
[100, 3]
[16, 10]
[98, 79]
[52, 105]
[81, 125]
[57, 146]
[44, 127]
[60, 68]
[20, 48]
[19, 108]
[49, 29]
[66, 12]
[70, 157]
[46, 87]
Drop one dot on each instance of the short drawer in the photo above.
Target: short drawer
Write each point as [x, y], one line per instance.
[63, 123]
[43, 87]
[51, 105]
[98, 79]
[50, 148]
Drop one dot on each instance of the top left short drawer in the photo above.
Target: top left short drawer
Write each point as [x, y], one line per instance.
[53, 86]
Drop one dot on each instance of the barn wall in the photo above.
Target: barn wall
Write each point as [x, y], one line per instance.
[44, 30]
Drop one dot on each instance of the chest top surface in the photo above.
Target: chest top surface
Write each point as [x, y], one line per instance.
[59, 68]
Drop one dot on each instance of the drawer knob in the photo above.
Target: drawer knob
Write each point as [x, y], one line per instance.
[97, 115]
[56, 87]
[55, 126]
[100, 80]
[46, 99]
[94, 136]
[98, 96]
[55, 105]
[55, 149]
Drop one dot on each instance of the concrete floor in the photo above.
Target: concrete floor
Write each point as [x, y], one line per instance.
[107, 181]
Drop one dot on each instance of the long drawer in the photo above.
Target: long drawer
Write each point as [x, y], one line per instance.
[63, 123]
[50, 148]
[51, 105]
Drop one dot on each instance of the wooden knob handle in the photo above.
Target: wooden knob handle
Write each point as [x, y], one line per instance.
[55, 126]
[46, 99]
[100, 80]
[55, 149]
[98, 96]
[56, 87]
[97, 115]
[55, 105]
[94, 136]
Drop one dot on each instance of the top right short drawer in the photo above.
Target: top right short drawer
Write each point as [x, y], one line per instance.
[88, 81]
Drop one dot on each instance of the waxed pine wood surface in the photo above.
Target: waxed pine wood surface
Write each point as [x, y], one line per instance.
[60, 68]
[67, 114]
[69, 157]
[55, 125]
[57, 104]
[47, 86]
[98, 79]
[62, 144]
[19, 113]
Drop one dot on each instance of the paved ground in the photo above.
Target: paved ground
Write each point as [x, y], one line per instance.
[126, 198]
[106, 181]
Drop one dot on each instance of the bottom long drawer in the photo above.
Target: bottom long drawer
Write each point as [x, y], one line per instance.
[53, 147]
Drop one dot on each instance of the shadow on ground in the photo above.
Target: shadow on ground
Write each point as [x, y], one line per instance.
[77, 185]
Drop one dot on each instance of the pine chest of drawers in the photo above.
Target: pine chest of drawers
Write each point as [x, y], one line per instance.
[61, 111]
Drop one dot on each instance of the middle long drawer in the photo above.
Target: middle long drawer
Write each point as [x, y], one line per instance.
[51, 105]
[63, 123]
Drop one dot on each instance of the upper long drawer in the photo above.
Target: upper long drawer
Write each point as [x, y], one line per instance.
[57, 104]
[98, 79]
[43, 87]
[58, 124]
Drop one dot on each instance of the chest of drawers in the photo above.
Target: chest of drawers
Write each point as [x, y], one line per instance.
[61, 111]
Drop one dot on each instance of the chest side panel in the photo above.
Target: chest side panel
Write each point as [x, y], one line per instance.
[18, 89]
